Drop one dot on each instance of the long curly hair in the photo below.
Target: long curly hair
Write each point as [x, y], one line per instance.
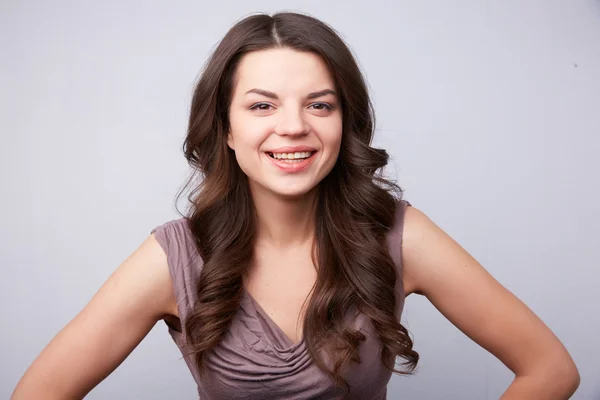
[356, 206]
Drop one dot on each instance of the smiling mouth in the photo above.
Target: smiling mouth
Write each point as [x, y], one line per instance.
[292, 158]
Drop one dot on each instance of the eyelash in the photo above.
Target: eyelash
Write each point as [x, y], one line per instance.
[326, 106]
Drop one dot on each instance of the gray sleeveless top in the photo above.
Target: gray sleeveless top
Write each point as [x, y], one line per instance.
[255, 359]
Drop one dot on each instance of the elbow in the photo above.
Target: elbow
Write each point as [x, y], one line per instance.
[573, 380]
[569, 375]
[563, 376]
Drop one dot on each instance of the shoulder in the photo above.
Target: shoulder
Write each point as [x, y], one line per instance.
[410, 225]
[176, 239]
[173, 231]
[430, 256]
[395, 238]
[420, 235]
[183, 260]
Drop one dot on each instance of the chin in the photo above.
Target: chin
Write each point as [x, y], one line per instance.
[292, 191]
[286, 188]
[295, 193]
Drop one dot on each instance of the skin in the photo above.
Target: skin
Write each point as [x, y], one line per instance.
[272, 106]
[438, 268]
[140, 292]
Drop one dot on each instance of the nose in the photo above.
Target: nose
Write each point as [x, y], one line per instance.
[291, 122]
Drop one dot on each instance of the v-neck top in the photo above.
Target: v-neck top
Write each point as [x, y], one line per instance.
[255, 359]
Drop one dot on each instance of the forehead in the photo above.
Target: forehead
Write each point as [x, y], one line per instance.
[282, 69]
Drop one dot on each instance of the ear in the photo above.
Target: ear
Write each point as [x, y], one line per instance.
[230, 141]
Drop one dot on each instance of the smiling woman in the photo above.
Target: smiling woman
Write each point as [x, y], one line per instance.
[291, 122]
[287, 278]
[292, 223]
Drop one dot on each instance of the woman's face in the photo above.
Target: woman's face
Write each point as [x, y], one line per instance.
[285, 121]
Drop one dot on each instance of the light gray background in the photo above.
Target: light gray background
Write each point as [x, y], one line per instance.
[491, 111]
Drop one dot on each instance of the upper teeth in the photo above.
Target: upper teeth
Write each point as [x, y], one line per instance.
[298, 154]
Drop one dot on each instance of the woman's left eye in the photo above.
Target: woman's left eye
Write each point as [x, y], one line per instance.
[322, 106]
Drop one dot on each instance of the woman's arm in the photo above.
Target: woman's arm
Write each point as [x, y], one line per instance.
[463, 291]
[102, 335]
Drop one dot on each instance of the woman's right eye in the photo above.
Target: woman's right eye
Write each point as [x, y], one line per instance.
[261, 106]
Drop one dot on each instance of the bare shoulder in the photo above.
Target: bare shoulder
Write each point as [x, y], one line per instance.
[435, 265]
[150, 261]
[144, 277]
[429, 254]
[416, 224]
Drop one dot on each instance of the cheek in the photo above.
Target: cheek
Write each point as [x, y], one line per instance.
[246, 159]
[248, 134]
[247, 149]
[332, 140]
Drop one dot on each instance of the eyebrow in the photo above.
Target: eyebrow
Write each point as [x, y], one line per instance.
[310, 96]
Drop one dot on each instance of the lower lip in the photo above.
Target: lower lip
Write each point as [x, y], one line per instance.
[296, 166]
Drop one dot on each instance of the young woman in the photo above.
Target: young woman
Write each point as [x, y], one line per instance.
[287, 278]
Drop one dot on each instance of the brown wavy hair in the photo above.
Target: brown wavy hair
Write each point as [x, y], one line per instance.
[355, 208]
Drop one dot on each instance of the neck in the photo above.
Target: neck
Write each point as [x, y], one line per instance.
[284, 222]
